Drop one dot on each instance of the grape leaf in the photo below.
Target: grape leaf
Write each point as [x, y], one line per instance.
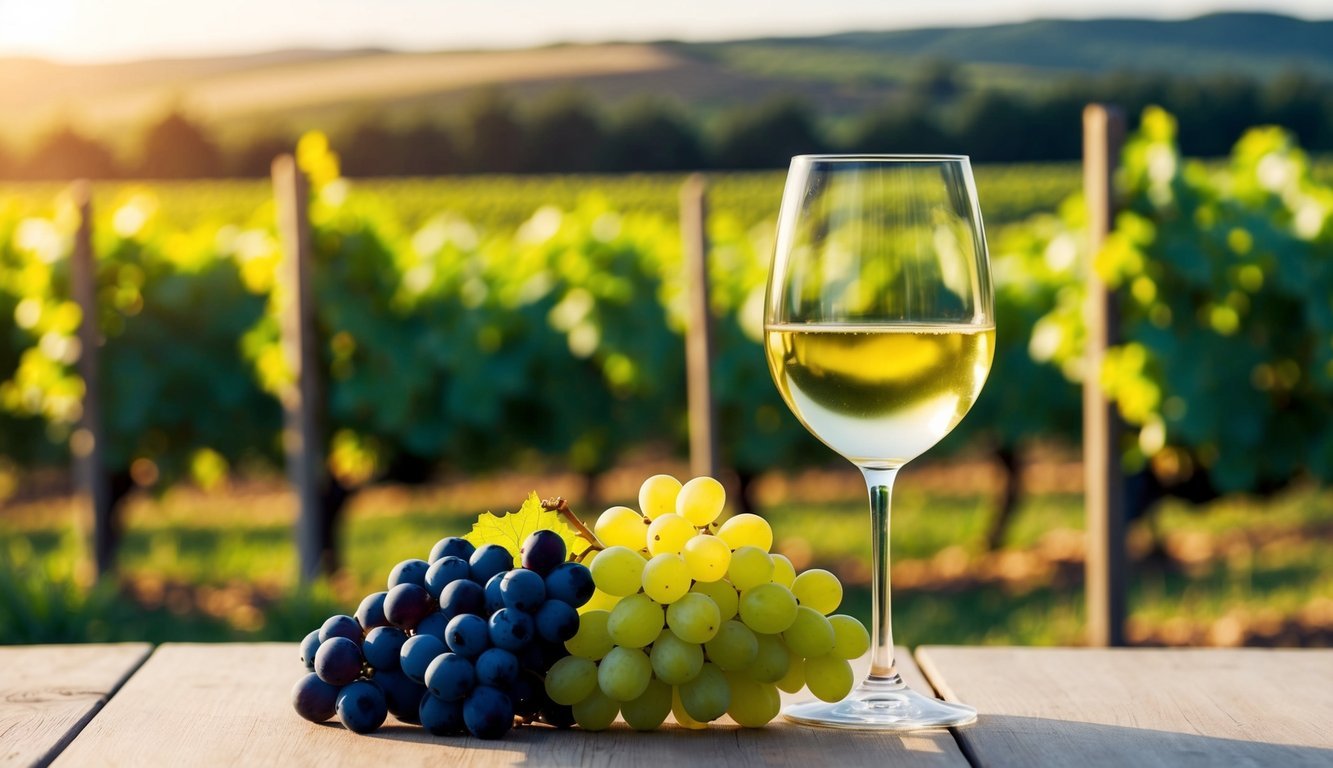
[512, 528]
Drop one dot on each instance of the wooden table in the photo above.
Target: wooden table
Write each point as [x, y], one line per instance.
[228, 704]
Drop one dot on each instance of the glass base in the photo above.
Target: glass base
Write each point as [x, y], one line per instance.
[882, 704]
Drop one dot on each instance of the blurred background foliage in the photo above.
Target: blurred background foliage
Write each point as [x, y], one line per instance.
[458, 336]
[474, 345]
[500, 309]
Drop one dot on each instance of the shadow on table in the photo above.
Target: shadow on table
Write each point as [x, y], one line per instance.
[1010, 740]
[671, 745]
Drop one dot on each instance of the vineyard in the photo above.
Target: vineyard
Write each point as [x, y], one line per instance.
[442, 298]
[479, 323]
[497, 204]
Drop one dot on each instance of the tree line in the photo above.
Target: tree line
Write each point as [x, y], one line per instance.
[570, 132]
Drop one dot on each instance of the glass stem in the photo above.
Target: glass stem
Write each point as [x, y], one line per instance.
[879, 481]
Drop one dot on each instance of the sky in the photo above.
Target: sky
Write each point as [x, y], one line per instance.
[110, 30]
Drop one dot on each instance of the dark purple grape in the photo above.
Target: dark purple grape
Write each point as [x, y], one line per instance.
[361, 707]
[442, 718]
[417, 654]
[462, 597]
[494, 599]
[401, 694]
[497, 668]
[409, 572]
[511, 630]
[488, 713]
[570, 583]
[309, 647]
[407, 605]
[450, 677]
[383, 646]
[488, 561]
[523, 590]
[543, 551]
[556, 621]
[453, 546]
[533, 658]
[539, 655]
[445, 571]
[467, 635]
[340, 626]
[370, 613]
[433, 624]
[338, 661]
[314, 699]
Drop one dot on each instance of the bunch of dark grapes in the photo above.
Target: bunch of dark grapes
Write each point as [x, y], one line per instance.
[459, 644]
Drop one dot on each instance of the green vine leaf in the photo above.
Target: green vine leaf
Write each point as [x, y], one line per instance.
[509, 530]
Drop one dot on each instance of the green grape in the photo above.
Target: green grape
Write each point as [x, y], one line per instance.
[694, 618]
[768, 608]
[668, 533]
[621, 527]
[828, 677]
[571, 679]
[810, 634]
[682, 717]
[657, 496]
[784, 572]
[600, 601]
[753, 704]
[749, 567]
[635, 622]
[624, 673]
[706, 697]
[707, 557]
[592, 641]
[675, 661]
[771, 661]
[850, 638]
[700, 501]
[722, 594]
[747, 530]
[734, 647]
[818, 589]
[597, 712]
[794, 680]
[618, 571]
[650, 709]
[666, 578]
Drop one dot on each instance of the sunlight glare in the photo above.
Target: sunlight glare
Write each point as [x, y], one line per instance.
[33, 25]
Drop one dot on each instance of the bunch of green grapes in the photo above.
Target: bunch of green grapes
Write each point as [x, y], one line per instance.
[698, 619]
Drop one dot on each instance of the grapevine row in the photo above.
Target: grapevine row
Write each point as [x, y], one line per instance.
[446, 341]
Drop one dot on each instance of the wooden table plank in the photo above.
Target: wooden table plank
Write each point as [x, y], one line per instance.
[1140, 706]
[48, 693]
[229, 704]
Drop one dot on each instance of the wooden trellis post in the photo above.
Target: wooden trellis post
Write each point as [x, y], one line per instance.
[1106, 575]
[699, 329]
[301, 400]
[88, 443]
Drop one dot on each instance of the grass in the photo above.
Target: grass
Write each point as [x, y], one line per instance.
[223, 568]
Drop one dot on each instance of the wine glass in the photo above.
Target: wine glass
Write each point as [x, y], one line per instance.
[879, 331]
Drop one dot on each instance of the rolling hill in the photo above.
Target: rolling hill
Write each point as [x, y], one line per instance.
[1260, 44]
[840, 73]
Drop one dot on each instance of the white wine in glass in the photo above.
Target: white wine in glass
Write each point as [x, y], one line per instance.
[879, 332]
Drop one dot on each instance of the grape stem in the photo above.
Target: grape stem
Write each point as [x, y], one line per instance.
[558, 504]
